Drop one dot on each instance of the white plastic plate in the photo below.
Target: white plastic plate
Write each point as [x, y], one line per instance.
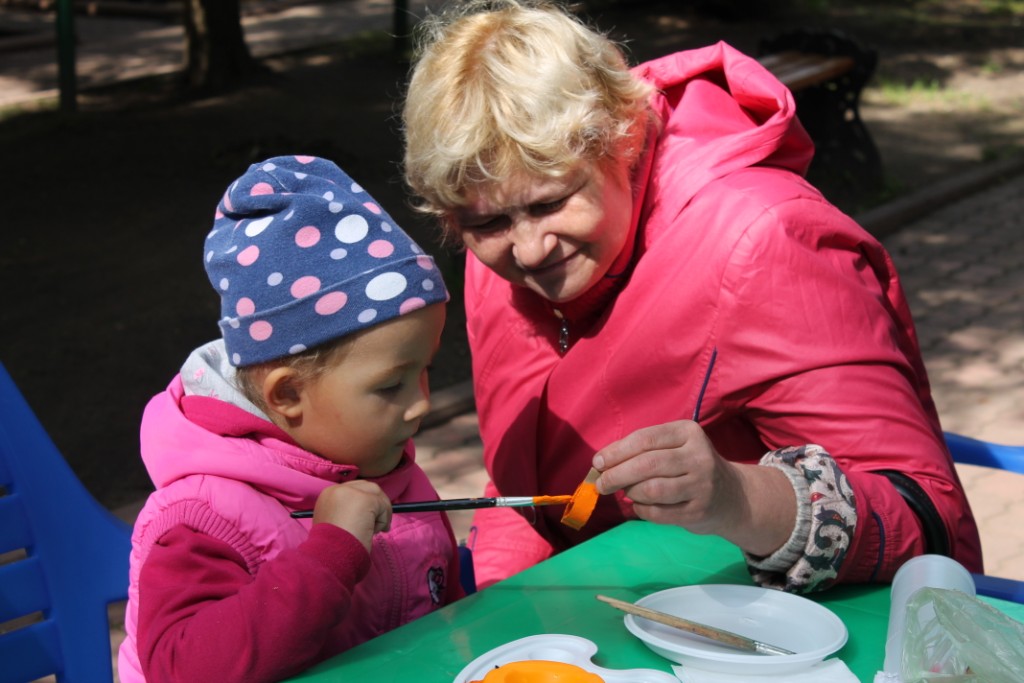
[556, 648]
[789, 621]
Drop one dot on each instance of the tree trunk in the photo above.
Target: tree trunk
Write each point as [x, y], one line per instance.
[217, 57]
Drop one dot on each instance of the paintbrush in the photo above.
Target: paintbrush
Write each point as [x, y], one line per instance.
[718, 635]
[466, 504]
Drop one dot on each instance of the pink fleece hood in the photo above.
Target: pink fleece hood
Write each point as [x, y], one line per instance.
[720, 111]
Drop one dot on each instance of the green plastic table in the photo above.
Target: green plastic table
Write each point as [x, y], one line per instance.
[557, 596]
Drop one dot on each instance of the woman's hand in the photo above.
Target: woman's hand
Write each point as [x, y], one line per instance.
[674, 475]
[359, 507]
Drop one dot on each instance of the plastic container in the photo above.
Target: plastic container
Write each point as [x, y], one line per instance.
[924, 571]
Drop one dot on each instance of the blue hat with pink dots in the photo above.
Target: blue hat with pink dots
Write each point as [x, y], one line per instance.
[302, 255]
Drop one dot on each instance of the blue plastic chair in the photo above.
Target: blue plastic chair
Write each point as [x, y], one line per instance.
[970, 451]
[63, 558]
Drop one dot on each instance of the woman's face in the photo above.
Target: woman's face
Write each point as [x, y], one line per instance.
[555, 236]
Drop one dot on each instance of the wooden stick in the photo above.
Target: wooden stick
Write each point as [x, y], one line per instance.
[718, 635]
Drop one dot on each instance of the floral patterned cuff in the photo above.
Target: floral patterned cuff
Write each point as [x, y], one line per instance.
[826, 519]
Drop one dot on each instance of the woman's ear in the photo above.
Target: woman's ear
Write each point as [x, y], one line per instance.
[282, 393]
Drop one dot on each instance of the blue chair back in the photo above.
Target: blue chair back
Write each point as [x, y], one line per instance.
[63, 558]
[969, 451]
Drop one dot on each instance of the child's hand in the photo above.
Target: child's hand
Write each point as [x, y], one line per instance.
[359, 507]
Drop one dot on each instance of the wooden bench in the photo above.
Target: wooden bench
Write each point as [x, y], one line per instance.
[799, 70]
[827, 71]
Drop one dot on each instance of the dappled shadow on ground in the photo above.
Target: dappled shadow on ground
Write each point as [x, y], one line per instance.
[105, 212]
[965, 283]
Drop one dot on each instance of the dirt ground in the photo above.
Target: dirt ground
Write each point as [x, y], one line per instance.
[104, 213]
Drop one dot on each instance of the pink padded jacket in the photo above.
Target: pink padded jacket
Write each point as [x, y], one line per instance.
[750, 302]
[225, 585]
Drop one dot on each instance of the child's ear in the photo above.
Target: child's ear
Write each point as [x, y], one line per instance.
[282, 393]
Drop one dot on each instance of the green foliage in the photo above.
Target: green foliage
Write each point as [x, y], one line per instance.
[1013, 8]
[16, 110]
[925, 91]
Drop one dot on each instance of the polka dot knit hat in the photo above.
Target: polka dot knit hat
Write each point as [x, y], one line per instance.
[302, 255]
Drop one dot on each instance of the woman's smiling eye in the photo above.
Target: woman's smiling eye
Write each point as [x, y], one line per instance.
[485, 225]
[544, 208]
[490, 224]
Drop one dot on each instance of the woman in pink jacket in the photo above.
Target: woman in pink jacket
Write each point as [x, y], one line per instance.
[653, 290]
[330, 316]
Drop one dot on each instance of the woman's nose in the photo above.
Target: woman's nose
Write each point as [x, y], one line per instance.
[532, 244]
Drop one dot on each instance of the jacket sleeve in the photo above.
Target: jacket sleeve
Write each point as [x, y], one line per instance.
[204, 617]
[503, 543]
[825, 522]
[818, 347]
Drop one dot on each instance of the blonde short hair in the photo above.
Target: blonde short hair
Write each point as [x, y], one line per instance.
[506, 87]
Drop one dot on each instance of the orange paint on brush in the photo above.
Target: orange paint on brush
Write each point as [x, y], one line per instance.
[583, 502]
[551, 500]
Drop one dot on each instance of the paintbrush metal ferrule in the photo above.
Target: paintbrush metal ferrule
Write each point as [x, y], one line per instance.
[513, 501]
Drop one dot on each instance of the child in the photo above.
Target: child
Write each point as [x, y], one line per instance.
[331, 315]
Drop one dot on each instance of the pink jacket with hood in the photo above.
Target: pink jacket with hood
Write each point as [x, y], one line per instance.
[225, 585]
[746, 301]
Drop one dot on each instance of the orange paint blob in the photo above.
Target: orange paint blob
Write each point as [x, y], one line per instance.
[551, 500]
[581, 506]
[540, 671]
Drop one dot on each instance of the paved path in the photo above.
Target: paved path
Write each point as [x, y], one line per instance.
[114, 47]
[963, 267]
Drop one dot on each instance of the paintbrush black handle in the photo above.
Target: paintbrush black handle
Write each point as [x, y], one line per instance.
[428, 506]
[442, 505]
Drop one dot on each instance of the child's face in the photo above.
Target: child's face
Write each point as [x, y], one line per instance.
[364, 409]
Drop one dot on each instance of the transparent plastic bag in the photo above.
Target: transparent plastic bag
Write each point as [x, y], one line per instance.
[953, 637]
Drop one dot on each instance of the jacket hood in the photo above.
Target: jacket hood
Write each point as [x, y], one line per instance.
[185, 434]
[719, 111]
